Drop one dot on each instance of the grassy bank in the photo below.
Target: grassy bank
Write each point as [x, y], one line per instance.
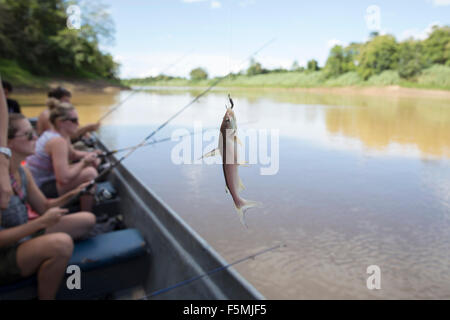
[21, 79]
[436, 77]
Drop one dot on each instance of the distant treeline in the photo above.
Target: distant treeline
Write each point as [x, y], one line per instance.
[34, 37]
[380, 60]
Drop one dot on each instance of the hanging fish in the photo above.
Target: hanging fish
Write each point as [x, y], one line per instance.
[228, 150]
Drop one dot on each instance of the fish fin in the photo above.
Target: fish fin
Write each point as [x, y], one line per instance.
[209, 154]
[242, 210]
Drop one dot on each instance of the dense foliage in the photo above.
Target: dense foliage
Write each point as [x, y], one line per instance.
[382, 53]
[35, 36]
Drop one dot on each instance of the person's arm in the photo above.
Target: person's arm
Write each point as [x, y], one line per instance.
[10, 236]
[85, 129]
[64, 172]
[5, 183]
[75, 154]
[39, 202]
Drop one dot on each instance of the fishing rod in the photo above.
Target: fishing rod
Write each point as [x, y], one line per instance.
[120, 103]
[210, 273]
[109, 153]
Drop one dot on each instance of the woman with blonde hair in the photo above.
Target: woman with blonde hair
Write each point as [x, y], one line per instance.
[56, 97]
[56, 161]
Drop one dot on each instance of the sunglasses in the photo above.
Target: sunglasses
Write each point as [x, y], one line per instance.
[73, 120]
[29, 134]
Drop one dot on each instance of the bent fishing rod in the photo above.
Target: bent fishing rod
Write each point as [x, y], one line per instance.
[210, 273]
[215, 83]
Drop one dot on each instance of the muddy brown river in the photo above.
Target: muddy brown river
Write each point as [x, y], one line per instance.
[354, 181]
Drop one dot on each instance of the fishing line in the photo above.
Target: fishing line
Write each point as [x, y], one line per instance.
[215, 83]
[105, 172]
[209, 273]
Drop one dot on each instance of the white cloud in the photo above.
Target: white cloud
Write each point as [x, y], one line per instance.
[439, 3]
[215, 4]
[418, 34]
[246, 3]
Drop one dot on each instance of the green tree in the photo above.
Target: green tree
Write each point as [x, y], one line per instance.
[436, 49]
[34, 34]
[312, 65]
[336, 62]
[255, 68]
[411, 59]
[377, 55]
[341, 60]
[352, 53]
[198, 74]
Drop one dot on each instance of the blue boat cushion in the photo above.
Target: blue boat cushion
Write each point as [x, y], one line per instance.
[109, 248]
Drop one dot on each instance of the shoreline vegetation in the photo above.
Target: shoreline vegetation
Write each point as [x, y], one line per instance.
[40, 49]
[24, 81]
[379, 62]
[434, 78]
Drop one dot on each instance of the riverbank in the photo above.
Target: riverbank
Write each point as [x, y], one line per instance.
[23, 81]
[436, 77]
[396, 91]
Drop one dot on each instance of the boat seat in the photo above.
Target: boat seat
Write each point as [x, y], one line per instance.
[109, 262]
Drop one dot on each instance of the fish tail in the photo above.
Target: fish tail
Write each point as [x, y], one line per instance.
[248, 204]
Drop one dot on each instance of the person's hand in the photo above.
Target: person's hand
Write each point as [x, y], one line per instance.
[52, 216]
[5, 184]
[99, 152]
[81, 187]
[89, 159]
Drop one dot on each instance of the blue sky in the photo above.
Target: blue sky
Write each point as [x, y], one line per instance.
[218, 35]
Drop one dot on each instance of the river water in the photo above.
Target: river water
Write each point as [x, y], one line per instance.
[353, 181]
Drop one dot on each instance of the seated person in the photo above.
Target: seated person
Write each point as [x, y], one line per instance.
[52, 161]
[13, 105]
[44, 245]
[55, 97]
